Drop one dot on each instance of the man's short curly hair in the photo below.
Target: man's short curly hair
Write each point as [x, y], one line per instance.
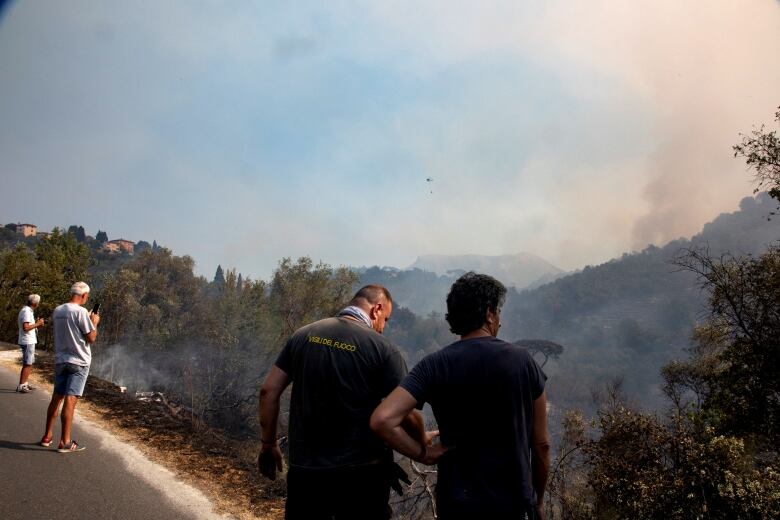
[470, 298]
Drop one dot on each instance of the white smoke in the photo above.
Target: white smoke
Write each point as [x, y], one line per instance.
[122, 367]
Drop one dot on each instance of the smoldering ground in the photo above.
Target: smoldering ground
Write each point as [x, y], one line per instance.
[217, 386]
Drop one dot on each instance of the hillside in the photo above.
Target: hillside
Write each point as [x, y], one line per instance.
[422, 292]
[423, 286]
[631, 315]
[520, 270]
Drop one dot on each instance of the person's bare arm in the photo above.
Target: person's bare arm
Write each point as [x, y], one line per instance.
[28, 326]
[414, 425]
[388, 422]
[91, 337]
[268, 413]
[540, 451]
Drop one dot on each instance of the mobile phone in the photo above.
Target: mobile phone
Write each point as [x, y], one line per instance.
[96, 309]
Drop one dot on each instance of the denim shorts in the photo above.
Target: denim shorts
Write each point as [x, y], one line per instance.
[70, 379]
[28, 354]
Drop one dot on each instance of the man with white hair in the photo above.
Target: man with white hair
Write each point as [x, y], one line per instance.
[28, 338]
[74, 330]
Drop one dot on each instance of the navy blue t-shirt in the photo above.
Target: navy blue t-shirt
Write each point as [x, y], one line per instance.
[481, 391]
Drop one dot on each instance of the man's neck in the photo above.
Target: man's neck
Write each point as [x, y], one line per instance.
[356, 314]
[481, 332]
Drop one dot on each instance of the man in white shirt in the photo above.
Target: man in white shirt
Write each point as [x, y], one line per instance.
[74, 330]
[28, 338]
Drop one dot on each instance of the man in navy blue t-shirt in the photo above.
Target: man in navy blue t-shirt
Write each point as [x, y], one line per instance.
[489, 401]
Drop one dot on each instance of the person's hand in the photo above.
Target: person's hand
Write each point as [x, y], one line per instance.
[39, 323]
[433, 453]
[94, 318]
[270, 460]
[430, 436]
[540, 511]
[396, 475]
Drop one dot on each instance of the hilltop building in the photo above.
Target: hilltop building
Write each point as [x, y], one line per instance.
[27, 230]
[120, 244]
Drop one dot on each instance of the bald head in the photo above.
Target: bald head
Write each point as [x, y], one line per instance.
[376, 301]
[370, 295]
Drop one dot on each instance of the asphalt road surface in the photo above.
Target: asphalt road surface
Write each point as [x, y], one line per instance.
[104, 481]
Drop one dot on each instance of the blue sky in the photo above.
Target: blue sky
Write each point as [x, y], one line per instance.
[242, 132]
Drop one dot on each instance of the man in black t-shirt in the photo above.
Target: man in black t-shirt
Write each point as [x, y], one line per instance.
[340, 369]
[489, 401]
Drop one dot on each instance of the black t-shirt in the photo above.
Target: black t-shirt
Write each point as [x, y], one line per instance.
[340, 372]
[481, 391]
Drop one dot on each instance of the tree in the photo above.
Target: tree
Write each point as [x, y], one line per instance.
[119, 298]
[219, 276]
[687, 383]
[8, 234]
[302, 292]
[743, 386]
[78, 232]
[568, 493]
[644, 468]
[49, 270]
[545, 348]
[142, 245]
[20, 275]
[761, 150]
[65, 255]
[101, 237]
[158, 300]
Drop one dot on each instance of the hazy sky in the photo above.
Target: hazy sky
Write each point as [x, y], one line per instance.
[242, 132]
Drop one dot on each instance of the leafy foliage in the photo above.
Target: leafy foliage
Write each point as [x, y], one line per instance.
[761, 150]
[715, 455]
[302, 292]
[49, 270]
[743, 382]
[643, 468]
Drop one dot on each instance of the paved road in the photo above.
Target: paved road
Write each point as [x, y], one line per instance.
[39, 483]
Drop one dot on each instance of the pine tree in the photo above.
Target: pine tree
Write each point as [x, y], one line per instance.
[101, 236]
[240, 282]
[219, 276]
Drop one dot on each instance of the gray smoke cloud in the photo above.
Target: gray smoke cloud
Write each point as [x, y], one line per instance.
[573, 130]
[706, 72]
[123, 367]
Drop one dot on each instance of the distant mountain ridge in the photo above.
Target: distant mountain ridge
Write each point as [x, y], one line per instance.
[423, 286]
[631, 315]
[520, 270]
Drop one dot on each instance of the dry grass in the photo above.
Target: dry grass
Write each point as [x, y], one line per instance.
[223, 468]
